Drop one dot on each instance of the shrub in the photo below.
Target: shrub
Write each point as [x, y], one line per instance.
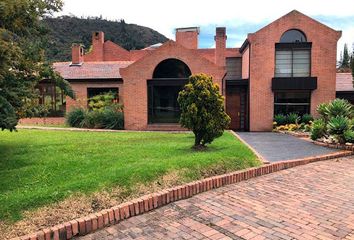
[339, 107]
[109, 118]
[318, 129]
[101, 101]
[306, 118]
[280, 119]
[112, 119]
[351, 124]
[349, 136]
[322, 109]
[338, 125]
[202, 109]
[75, 117]
[292, 118]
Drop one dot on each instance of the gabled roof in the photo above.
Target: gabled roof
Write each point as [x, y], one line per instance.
[91, 70]
[344, 82]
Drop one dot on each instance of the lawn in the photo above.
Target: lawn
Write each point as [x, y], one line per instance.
[40, 167]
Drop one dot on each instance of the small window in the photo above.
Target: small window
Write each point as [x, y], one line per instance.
[293, 36]
[286, 102]
[91, 92]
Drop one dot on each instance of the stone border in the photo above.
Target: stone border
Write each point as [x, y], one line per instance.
[295, 134]
[337, 146]
[319, 143]
[116, 214]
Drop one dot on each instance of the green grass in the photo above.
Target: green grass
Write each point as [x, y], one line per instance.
[41, 167]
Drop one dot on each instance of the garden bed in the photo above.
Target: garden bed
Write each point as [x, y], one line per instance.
[49, 177]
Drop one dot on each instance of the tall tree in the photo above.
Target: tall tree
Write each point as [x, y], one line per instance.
[22, 63]
[345, 60]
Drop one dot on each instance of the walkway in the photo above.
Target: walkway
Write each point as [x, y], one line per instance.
[314, 201]
[275, 147]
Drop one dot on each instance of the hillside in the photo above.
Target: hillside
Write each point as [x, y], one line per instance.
[66, 30]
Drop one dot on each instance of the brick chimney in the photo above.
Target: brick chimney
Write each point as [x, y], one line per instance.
[220, 46]
[97, 45]
[187, 37]
[77, 54]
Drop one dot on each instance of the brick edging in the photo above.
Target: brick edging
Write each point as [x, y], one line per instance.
[116, 214]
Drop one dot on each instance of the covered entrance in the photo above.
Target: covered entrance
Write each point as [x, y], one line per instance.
[168, 80]
[237, 104]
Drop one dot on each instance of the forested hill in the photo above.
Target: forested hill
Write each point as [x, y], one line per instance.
[66, 30]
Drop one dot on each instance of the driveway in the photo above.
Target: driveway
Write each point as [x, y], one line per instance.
[275, 147]
[314, 201]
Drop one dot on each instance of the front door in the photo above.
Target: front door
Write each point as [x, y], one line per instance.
[233, 108]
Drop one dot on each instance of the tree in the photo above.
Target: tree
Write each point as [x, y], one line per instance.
[345, 58]
[22, 63]
[202, 109]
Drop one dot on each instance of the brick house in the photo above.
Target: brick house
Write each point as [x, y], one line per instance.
[286, 66]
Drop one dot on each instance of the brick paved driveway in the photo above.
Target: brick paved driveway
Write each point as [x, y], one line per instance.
[314, 201]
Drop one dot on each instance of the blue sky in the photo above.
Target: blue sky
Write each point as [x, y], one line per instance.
[240, 17]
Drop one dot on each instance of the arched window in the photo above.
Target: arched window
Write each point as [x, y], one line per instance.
[171, 68]
[293, 36]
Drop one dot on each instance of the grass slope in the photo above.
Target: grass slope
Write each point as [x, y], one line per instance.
[41, 167]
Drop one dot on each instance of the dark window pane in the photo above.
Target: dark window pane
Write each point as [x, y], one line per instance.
[293, 36]
[91, 92]
[163, 105]
[292, 102]
[171, 68]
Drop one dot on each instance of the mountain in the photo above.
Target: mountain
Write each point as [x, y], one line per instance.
[65, 30]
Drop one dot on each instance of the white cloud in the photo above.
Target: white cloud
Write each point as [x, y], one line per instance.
[164, 16]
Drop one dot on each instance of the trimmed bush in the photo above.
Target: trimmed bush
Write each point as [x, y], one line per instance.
[306, 118]
[75, 117]
[280, 119]
[349, 136]
[292, 118]
[318, 129]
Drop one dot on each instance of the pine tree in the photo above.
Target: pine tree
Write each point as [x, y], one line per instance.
[345, 61]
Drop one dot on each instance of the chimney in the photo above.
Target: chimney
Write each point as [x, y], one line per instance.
[77, 54]
[97, 45]
[220, 46]
[187, 37]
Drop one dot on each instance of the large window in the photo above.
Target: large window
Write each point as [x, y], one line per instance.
[293, 55]
[292, 63]
[292, 102]
[169, 77]
[163, 105]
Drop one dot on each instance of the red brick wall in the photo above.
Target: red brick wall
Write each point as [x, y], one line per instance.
[42, 121]
[245, 63]
[220, 46]
[113, 52]
[187, 39]
[136, 75]
[80, 90]
[262, 54]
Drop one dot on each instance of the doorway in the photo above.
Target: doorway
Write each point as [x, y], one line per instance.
[237, 106]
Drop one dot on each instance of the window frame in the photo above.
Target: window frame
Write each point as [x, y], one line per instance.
[293, 47]
[275, 103]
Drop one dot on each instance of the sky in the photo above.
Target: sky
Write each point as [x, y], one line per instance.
[239, 17]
